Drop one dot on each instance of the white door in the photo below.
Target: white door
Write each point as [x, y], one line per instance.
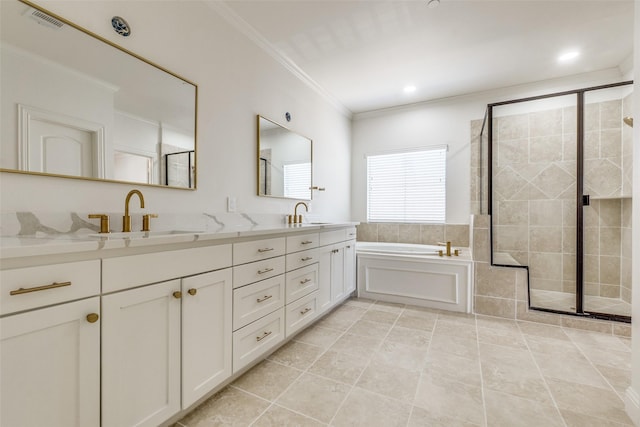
[350, 267]
[59, 149]
[50, 361]
[324, 278]
[337, 274]
[206, 333]
[141, 355]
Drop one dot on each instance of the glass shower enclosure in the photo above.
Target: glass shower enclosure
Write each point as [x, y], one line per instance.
[559, 169]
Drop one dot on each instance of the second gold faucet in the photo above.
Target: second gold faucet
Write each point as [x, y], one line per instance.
[126, 219]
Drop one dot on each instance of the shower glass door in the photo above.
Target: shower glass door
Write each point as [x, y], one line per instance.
[607, 214]
[534, 196]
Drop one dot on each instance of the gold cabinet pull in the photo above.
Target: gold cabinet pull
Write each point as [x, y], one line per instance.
[266, 270]
[307, 258]
[307, 280]
[265, 250]
[305, 311]
[192, 291]
[307, 242]
[39, 288]
[177, 294]
[92, 317]
[266, 334]
[266, 297]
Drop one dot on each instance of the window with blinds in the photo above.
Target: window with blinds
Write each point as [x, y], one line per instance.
[407, 186]
[296, 180]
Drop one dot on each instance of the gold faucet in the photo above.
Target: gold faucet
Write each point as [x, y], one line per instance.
[297, 219]
[448, 245]
[126, 219]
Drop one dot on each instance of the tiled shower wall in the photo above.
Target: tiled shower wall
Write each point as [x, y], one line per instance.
[426, 234]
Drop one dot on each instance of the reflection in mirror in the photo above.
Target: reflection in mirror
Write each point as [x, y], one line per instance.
[76, 105]
[284, 162]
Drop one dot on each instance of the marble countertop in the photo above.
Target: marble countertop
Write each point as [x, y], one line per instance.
[41, 244]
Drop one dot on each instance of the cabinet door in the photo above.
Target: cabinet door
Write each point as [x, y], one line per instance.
[206, 333]
[324, 278]
[337, 274]
[50, 361]
[350, 267]
[141, 355]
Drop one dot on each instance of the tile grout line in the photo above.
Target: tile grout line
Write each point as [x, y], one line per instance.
[482, 393]
[544, 379]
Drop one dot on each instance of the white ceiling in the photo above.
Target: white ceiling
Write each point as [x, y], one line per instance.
[364, 52]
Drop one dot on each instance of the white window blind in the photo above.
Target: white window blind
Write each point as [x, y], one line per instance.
[407, 186]
[296, 180]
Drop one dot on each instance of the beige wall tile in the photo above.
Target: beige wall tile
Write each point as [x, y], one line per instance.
[610, 113]
[480, 221]
[592, 144]
[569, 146]
[481, 245]
[610, 213]
[409, 233]
[431, 234]
[367, 232]
[546, 284]
[545, 265]
[545, 213]
[545, 239]
[609, 291]
[587, 324]
[610, 241]
[511, 238]
[457, 234]
[622, 329]
[522, 285]
[547, 122]
[495, 281]
[498, 307]
[513, 151]
[545, 149]
[513, 212]
[610, 270]
[611, 143]
[523, 313]
[388, 233]
[569, 267]
[569, 240]
[512, 127]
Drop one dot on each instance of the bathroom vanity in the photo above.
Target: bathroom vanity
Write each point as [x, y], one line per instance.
[120, 331]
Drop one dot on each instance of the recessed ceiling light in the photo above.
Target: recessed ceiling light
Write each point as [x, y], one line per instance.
[568, 56]
[409, 89]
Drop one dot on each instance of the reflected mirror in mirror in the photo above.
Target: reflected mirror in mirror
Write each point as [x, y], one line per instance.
[76, 105]
[284, 162]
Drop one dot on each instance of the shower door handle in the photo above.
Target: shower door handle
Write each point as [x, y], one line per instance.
[586, 200]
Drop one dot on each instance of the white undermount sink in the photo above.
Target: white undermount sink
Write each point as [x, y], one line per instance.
[143, 234]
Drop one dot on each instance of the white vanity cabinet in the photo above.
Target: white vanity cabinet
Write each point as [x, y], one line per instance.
[167, 344]
[50, 349]
[337, 267]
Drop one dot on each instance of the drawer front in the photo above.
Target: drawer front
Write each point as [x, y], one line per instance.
[302, 259]
[331, 237]
[135, 270]
[255, 271]
[301, 282]
[351, 233]
[259, 299]
[27, 288]
[257, 338]
[302, 242]
[301, 313]
[257, 250]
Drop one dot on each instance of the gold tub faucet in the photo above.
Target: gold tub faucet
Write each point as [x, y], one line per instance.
[448, 245]
[126, 219]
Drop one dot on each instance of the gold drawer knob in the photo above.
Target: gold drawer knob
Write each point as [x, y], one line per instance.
[92, 318]
[177, 294]
[192, 291]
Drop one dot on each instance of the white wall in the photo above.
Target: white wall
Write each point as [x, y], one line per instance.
[445, 121]
[236, 81]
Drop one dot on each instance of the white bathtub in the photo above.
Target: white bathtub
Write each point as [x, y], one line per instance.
[416, 275]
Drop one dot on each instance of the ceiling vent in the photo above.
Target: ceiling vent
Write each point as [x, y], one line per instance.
[44, 19]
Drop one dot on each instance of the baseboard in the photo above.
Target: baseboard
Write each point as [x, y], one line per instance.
[632, 405]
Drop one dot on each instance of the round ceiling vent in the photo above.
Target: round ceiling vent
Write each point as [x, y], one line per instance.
[120, 26]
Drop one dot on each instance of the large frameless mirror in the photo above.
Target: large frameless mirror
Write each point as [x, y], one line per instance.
[76, 105]
[284, 162]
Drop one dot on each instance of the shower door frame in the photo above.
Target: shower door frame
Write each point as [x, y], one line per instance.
[580, 197]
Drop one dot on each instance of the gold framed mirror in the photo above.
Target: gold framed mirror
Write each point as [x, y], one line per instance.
[284, 162]
[76, 105]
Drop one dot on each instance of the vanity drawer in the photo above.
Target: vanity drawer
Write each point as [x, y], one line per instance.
[255, 271]
[331, 237]
[301, 282]
[27, 288]
[301, 259]
[254, 301]
[135, 270]
[257, 338]
[302, 242]
[301, 313]
[258, 250]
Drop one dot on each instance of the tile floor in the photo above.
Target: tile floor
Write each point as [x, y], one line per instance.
[376, 364]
